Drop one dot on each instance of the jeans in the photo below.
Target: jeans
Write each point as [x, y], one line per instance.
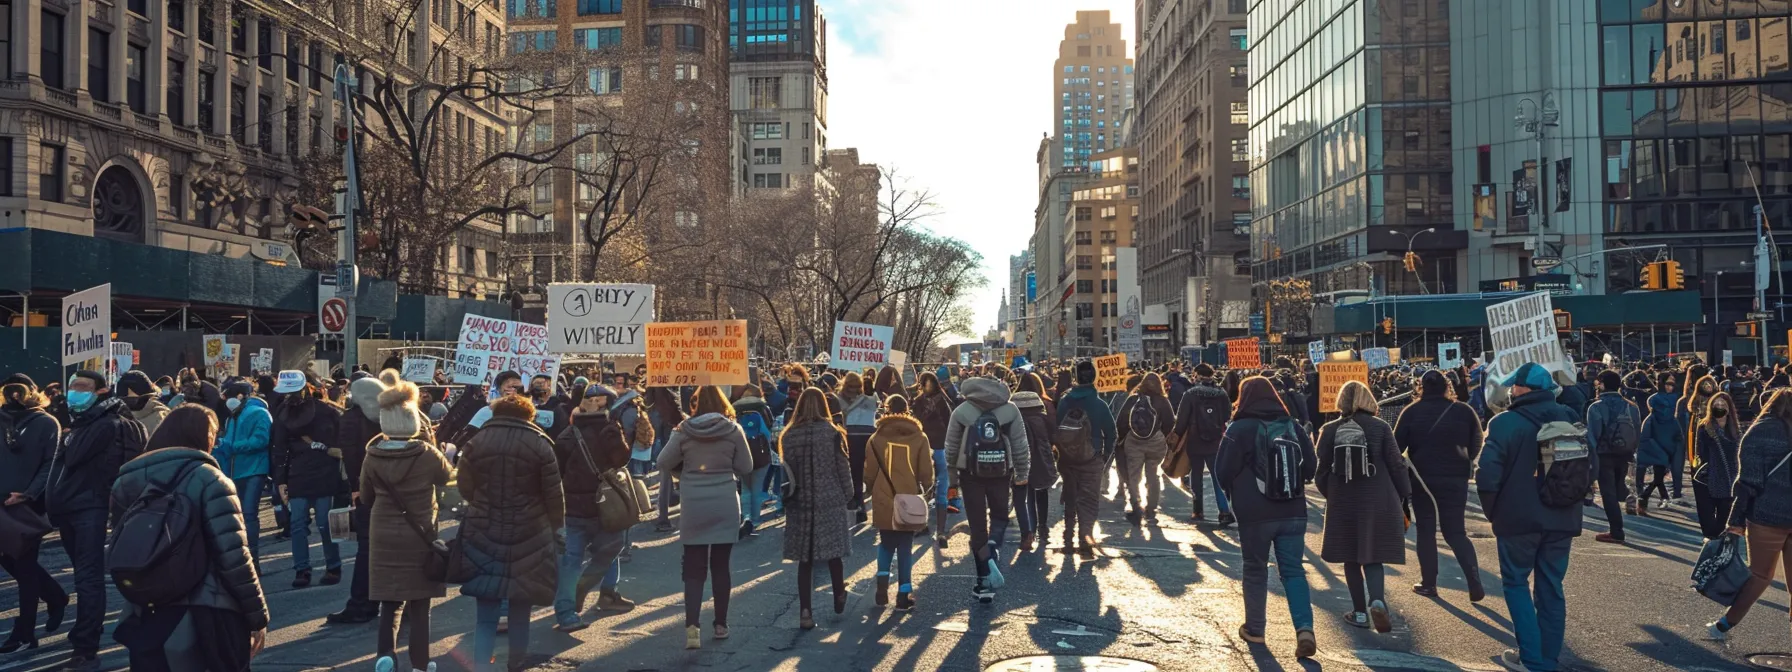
[896, 548]
[1537, 625]
[1035, 507]
[1441, 502]
[986, 507]
[485, 634]
[1612, 491]
[1288, 538]
[35, 585]
[752, 496]
[1197, 465]
[855, 455]
[942, 485]
[302, 510]
[774, 484]
[1677, 471]
[576, 576]
[248, 490]
[84, 538]
[1768, 547]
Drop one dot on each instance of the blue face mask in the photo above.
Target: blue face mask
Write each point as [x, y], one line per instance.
[79, 400]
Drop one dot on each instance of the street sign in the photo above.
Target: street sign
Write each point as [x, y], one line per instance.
[1545, 263]
[333, 315]
[1760, 316]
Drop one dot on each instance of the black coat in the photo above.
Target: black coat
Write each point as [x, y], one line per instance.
[1441, 438]
[27, 441]
[1233, 465]
[515, 510]
[99, 441]
[1364, 522]
[1204, 400]
[608, 449]
[305, 470]
[354, 431]
[232, 583]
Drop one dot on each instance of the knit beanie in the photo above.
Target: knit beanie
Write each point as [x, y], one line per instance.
[136, 382]
[364, 393]
[398, 406]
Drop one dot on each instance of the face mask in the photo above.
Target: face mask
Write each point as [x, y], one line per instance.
[232, 404]
[1719, 412]
[80, 401]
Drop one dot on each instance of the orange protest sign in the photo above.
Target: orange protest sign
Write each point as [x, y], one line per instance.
[697, 353]
[1110, 373]
[1243, 353]
[1333, 376]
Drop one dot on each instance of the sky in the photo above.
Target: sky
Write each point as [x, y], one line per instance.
[955, 95]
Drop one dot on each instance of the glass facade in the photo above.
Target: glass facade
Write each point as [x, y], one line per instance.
[773, 29]
[1350, 128]
[1696, 113]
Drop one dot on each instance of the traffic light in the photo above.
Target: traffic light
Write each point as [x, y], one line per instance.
[1748, 329]
[1652, 276]
[1412, 262]
[1387, 325]
[305, 217]
[1672, 276]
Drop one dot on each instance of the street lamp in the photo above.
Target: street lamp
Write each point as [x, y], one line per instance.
[1415, 270]
[1536, 122]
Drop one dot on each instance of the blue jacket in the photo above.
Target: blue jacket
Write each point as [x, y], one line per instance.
[1507, 478]
[1602, 414]
[1662, 434]
[1101, 432]
[243, 447]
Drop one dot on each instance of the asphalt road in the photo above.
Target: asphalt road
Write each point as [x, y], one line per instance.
[1166, 594]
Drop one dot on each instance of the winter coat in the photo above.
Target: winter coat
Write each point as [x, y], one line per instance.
[1204, 400]
[515, 510]
[1364, 522]
[231, 584]
[28, 437]
[1102, 433]
[983, 395]
[243, 445]
[607, 446]
[1166, 417]
[1233, 465]
[1763, 488]
[1507, 475]
[99, 441]
[627, 411]
[708, 455]
[305, 470]
[1039, 418]
[934, 411]
[1441, 438]
[817, 525]
[898, 461]
[1717, 459]
[1575, 398]
[415, 472]
[1660, 436]
[1178, 385]
[1602, 418]
[860, 412]
[147, 411]
[355, 429]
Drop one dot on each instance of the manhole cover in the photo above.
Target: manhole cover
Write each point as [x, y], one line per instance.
[1069, 663]
[1772, 661]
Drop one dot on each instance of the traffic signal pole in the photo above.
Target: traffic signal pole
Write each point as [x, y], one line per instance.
[348, 204]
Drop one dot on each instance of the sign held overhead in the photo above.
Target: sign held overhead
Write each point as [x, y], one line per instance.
[681, 354]
[861, 345]
[87, 325]
[590, 318]
[1110, 373]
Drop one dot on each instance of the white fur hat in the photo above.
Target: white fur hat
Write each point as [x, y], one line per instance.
[398, 406]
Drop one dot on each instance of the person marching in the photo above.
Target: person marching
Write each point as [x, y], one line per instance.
[1201, 420]
[1718, 438]
[1032, 502]
[1084, 438]
[859, 408]
[1614, 430]
[28, 436]
[901, 471]
[934, 411]
[817, 524]
[1363, 479]
[593, 455]
[1762, 510]
[1149, 419]
[986, 449]
[1264, 463]
[400, 480]
[1441, 437]
[308, 470]
[708, 456]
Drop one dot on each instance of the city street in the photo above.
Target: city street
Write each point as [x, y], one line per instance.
[1166, 595]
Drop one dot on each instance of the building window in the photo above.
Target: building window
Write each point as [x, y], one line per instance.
[1241, 187]
[177, 196]
[134, 62]
[99, 65]
[205, 101]
[317, 133]
[532, 9]
[292, 130]
[532, 40]
[593, 39]
[650, 37]
[50, 50]
[295, 57]
[768, 181]
[317, 68]
[768, 156]
[1239, 74]
[684, 71]
[604, 80]
[1239, 41]
[1241, 223]
[1241, 113]
[544, 190]
[264, 122]
[589, 7]
[766, 131]
[763, 92]
[1085, 286]
[1085, 262]
[805, 156]
[690, 38]
[1241, 149]
[264, 44]
[52, 174]
[206, 28]
[1084, 213]
[239, 122]
[177, 15]
[177, 91]
[1083, 238]
[1108, 236]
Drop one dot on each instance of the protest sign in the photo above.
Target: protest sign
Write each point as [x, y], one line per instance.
[120, 361]
[1524, 330]
[860, 345]
[898, 359]
[697, 353]
[1449, 356]
[1729, 358]
[420, 370]
[86, 325]
[964, 358]
[1377, 358]
[502, 345]
[321, 368]
[589, 318]
[1316, 351]
[1243, 353]
[1333, 376]
[262, 361]
[1110, 373]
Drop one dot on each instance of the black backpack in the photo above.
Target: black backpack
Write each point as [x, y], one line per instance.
[157, 553]
[1619, 434]
[1071, 436]
[1210, 419]
[1142, 419]
[1350, 452]
[753, 424]
[1275, 462]
[989, 447]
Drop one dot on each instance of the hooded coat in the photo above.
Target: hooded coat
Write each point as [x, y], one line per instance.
[709, 456]
[231, 583]
[28, 437]
[934, 411]
[1441, 438]
[1507, 475]
[1763, 487]
[401, 477]
[1718, 449]
[1203, 400]
[243, 446]
[1234, 465]
[99, 441]
[817, 525]
[515, 510]
[983, 395]
[1661, 433]
[147, 411]
[898, 461]
[1102, 433]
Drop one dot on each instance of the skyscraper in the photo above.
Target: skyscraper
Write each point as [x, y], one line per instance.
[778, 75]
[1092, 89]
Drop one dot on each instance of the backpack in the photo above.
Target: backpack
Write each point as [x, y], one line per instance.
[989, 447]
[754, 425]
[1619, 435]
[1562, 463]
[1142, 419]
[1275, 461]
[1071, 436]
[157, 553]
[1210, 422]
[1350, 451]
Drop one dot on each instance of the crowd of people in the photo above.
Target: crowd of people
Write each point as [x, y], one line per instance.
[555, 475]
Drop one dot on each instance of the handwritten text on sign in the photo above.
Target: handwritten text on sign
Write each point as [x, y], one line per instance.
[1333, 376]
[599, 318]
[1524, 330]
[1110, 373]
[504, 346]
[1243, 353]
[697, 353]
[859, 345]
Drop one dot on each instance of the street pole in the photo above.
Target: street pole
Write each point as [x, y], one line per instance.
[1762, 279]
[347, 205]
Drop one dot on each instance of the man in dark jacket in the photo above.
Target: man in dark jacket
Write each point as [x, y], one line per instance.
[1201, 422]
[102, 436]
[1533, 538]
[27, 441]
[1614, 426]
[307, 471]
[1082, 482]
[592, 446]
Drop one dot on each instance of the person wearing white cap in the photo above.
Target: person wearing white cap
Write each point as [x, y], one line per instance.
[307, 470]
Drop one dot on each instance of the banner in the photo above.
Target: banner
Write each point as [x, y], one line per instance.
[420, 370]
[1316, 351]
[87, 325]
[1524, 330]
[857, 346]
[1333, 376]
[1378, 358]
[1243, 353]
[1131, 334]
[1449, 356]
[697, 353]
[489, 346]
[588, 318]
[1564, 183]
[1110, 373]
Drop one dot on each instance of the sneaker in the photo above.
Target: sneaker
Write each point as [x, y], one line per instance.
[574, 626]
[503, 624]
[1305, 644]
[718, 632]
[1226, 519]
[983, 592]
[1607, 538]
[301, 578]
[610, 600]
[664, 526]
[384, 664]
[1357, 619]
[1476, 592]
[1244, 633]
[996, 581]
[1716, 632]
[353, 615]
[693, 637]
[1510, 660]
[1378, 614]
[747, 529]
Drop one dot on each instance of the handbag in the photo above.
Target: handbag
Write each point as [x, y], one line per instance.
[19, 525]
[627, 502]
[1721, 570]
[342, 525]
[909, 510]
[1177, 465]
[446, 562]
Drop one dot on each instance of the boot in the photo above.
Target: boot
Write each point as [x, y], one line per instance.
[611, 600]
[883, 590]
[939, 532]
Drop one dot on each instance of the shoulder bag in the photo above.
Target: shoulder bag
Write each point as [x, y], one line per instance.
[626, 504]
[907, 510]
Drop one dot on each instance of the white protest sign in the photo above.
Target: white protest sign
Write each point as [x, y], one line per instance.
[1729, 358]
[898, 359]
[588, 318]
[229, 364]
[420, 370]
[263, 361]
[502, 345]
[964, 358]
[321, 368]
[1316, 351]
[87, 325]
[1377, 358]
[119, 361]
[860, 345]
[1449, 356]
[1524, 330]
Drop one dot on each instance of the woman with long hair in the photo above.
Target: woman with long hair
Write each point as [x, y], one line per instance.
[27, 446]
[1146, 420]
[708, 455]
[900, 465]
[933, 408]
[1032, 502]
[1718, 438]
[1364, 481]
[817, 527]
[1696, 394]
[888, 383]
[1762, 508]
[860, 411]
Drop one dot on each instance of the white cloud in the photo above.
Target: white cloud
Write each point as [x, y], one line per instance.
[956, 95]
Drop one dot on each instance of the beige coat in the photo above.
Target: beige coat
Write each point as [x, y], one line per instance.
[898, 461]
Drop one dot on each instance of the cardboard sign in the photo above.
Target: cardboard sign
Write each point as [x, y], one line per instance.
[1110, 373]
[1377, 358]
[860, 345]
[1333, 376]
[1449, 356]
[697, 353]
[1524, 330]
[1243, 353]
[1316, 351]
[87, 325]
[502, 345]
[898, 359]
[589, 318]
[420, 370]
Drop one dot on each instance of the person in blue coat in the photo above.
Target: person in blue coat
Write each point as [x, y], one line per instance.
[243, 452]
[1533, 538]
[1660, 436]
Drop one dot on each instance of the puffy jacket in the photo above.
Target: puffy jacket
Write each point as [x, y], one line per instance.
[935, 412]
[1039, 420]
[1102, 433]
[306, 470]
[243, 447]
[860, 412]
[1602, 418]
[1440, 438]
[608, 447]
[1507, 478]
[1204, 406]
[99, 441]
[28, 437]
[515, 510]
[1234, 466]
[983, 395]
[1764, 481]
[1575, 398]
[232, 583]
[1661, 434]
